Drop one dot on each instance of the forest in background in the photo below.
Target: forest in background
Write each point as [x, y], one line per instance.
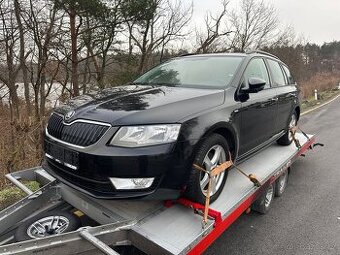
[81, 45]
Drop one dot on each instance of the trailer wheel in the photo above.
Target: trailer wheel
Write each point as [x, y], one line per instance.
[213, 151]
[263, 203]
[47, 224]
[281, 184]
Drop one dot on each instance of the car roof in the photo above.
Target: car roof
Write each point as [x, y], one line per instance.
[248, 55]
[236, 54]
[214, 54]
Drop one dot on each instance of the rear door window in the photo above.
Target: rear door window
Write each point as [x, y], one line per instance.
[257, 69]
[289, 75]
[277, 74]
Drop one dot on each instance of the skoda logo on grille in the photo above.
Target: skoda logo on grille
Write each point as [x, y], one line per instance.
[69, 115]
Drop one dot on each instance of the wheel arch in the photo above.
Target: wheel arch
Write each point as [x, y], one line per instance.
[228, 132]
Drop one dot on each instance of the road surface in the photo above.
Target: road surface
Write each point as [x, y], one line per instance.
[306, 219]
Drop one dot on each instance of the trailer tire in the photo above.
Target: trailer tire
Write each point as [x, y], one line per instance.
[263, 203]
[195, 186]
[281, 184]
[66, 222]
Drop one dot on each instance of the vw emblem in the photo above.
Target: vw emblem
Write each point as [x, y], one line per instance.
[69, 115]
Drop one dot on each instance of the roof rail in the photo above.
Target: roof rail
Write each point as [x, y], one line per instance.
[263, 52]
[187, 54]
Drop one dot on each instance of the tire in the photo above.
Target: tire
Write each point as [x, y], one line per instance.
[71, 221]
[263, 203]
[287, 139]
[198, 181]
[281, 184]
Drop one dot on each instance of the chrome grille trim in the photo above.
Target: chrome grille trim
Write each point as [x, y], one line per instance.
[88, 136]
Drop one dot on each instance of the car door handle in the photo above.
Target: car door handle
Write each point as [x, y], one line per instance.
[274, 99]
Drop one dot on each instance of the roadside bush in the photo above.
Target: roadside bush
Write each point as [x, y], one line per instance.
[321, 82]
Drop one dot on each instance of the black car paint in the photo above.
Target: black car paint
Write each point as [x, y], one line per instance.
[247, 124]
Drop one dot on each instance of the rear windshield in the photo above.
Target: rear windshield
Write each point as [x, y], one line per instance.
[200, 72]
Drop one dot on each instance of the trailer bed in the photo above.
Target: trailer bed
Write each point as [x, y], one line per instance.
[148, 225]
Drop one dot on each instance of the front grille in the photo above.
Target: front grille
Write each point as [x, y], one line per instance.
[78, 133]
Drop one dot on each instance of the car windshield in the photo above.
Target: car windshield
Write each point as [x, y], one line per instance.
[200, 72]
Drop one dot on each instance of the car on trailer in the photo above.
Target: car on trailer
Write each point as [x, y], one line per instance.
[141, 140]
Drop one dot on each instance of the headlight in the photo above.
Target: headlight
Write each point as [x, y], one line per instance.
[139, 136]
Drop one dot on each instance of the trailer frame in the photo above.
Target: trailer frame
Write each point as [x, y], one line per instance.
[125, 223]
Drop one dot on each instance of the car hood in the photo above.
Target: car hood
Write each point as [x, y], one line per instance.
[139, 104]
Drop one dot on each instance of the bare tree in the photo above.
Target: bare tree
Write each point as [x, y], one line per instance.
[76, 10]
[100, 37]
[43, 24]
[285, 37]
[153, 27]
[209, 39]
[9, 37]
[17, 9]
[255, 25]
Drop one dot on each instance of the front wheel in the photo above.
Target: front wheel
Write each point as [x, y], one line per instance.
[213, 151]
[287, 138]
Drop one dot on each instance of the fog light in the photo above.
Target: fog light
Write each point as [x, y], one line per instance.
[132, 183]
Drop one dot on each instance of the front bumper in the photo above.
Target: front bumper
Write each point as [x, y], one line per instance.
[166, 163]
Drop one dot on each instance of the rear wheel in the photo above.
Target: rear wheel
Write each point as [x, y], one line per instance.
[213, 151]
[287, 138]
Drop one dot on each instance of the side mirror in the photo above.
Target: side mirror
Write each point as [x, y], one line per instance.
[255, 85]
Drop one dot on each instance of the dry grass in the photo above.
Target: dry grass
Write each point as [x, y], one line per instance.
[321, 82]
[324, 96]
[20, 144]
[10, 194]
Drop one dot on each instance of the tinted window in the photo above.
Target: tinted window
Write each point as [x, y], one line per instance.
[278, 76]
[206, 71]
[289, 75]
[257, 68]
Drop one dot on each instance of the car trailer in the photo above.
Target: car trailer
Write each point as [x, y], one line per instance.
[151, 227]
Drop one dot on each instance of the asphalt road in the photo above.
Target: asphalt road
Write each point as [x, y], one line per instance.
[306, 219]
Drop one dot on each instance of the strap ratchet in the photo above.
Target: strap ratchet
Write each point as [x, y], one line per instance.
[216, 171]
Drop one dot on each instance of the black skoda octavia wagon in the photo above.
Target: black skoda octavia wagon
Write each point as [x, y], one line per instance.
[141, 140]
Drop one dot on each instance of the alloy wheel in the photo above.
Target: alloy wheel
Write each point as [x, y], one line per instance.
[215, 156]
[292, 123]
[269, 196]
[51, 225]
[282, 182]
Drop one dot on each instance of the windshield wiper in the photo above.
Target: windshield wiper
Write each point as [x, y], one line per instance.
[140, 83]
[165, 84]
[156, 84]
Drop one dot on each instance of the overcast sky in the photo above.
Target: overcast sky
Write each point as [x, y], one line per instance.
[317, 20]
